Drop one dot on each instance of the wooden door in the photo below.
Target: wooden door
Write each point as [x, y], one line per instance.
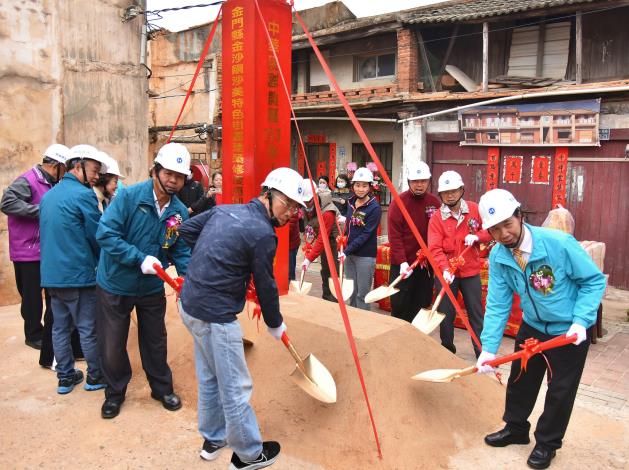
[318, 160]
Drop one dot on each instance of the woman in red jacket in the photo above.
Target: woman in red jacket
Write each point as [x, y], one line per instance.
[456, 225]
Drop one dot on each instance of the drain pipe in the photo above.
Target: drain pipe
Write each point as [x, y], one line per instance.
[340, 118]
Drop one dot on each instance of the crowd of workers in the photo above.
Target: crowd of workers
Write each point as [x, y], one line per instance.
[94, 248]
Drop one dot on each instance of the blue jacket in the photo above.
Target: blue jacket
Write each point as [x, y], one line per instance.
[362, 239]
[129, 231]
[230, 243]
[574, 298]
[68, 217]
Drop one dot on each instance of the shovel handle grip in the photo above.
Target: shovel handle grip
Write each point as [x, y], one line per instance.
[163, 275]
[557, 342]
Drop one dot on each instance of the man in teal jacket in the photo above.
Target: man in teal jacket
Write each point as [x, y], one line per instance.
[560, 289]
[138, 230]
[69, 254]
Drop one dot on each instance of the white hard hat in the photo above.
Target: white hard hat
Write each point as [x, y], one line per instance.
[450, 180]
[418, 171]
[174, 157]
[288, 182]
[307, 194]
[87, 152]
[58, 152]
[112, 165]
[496, 206]
[363, 174]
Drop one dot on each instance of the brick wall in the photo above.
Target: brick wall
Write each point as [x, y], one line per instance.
[407, 60]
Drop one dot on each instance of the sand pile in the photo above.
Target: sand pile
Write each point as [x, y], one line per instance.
[421, 425]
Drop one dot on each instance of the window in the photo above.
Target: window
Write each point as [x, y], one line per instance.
[470, 136]
[526, 137]
[564, 135]
[385, 154]
[492, 136]
[553, 60]
[374, 66]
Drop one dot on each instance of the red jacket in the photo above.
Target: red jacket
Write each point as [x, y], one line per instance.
[294, 238]
[404, 246]
[329, 218]
[446, 238]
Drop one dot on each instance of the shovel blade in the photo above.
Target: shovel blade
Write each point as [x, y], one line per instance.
[438, 375]
[305, 287]
[347, 288]
[380, 293]
[426, 321]
[317, 381]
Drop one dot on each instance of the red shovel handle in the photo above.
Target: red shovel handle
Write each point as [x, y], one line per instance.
[285, 340]
[531, 347]
[163, 275]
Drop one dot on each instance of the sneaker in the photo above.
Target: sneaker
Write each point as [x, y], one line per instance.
[210, 451]
[67, 385]
[94, 383]
[268, 456]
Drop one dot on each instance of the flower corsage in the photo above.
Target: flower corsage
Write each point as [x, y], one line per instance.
[542, 280]
[172, 230]
[358, 219]
[430, 210]
[473, 225]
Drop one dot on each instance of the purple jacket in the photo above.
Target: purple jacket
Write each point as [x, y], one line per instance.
[24, 231]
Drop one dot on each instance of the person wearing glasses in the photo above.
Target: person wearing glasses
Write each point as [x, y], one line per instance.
[230, 244]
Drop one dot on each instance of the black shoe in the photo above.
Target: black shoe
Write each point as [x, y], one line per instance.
[329, 298]
[171, 401]
[268, 456]
[506, 437]
[67, 385]
[111, 408]
[33, 344]
[210, 451]
[94, 383]
[540, 457]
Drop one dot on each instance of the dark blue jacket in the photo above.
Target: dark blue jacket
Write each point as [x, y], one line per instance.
[68, 217]
[361, 228]
[129, 231]
[230, 243]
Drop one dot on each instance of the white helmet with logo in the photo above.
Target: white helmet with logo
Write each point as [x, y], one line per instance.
[364, 175]
[58, 152]
[450, 180]
[174, 157]
[112, 165]
[288, 182]
[307, 194]
[496, 206]
[87, 152]
[418, 171]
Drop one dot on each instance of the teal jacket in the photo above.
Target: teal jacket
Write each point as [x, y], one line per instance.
[129, 231]
[577, 290]
[68, 219]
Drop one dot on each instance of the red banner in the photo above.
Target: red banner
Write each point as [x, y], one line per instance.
[256, 116]
[540, 169]
[332, 173]
[493, 160]
[512, 169]
[559, 181]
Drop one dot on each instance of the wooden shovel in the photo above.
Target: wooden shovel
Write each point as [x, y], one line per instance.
[383, 292]
[530, 347]
[300, 286]
[311, 375]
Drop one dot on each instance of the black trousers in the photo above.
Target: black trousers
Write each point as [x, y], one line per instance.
[567, 365]
[113, 314]
[471, 290]
[46, 355]
[325, 272]
[28, 282]
[415, 293]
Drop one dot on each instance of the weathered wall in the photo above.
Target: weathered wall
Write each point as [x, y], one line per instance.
[69, 73]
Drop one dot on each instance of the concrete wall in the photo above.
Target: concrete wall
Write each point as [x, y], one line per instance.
[70, 74]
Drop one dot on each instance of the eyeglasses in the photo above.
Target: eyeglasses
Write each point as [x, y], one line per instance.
[292, 208]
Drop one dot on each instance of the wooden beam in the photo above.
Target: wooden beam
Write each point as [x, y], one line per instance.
[485, 56]
[447, 56]
[541, 37]
[579, 49]
[422, 48]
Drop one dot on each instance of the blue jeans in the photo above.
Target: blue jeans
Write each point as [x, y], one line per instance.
[361, 270]
[225, 415]
[74, 307]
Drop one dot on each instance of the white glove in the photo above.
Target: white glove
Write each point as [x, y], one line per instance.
[405, 270]
[147, 265]
[448, 276]
[305, 264]
[484, 357]
[341, 258]
[277, 332]
[470, 239]
[341, 219]
[579, 330]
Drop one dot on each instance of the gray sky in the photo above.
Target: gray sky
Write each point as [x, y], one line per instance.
[178, 20]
